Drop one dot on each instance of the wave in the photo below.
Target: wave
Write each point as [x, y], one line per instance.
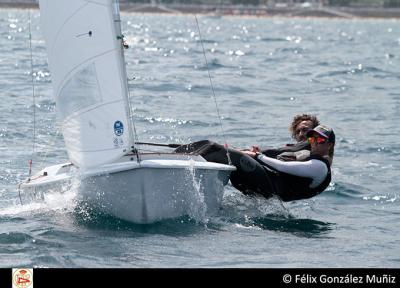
[360, 69]
[14, 238]
[300, 227]
[345, 191]
[270, 214]
[213, 64]
[273, 39]
[163, 87]
[333, 73]
[294, 50]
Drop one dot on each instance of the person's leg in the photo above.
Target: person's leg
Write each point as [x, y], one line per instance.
[249, 177]
[194, 147]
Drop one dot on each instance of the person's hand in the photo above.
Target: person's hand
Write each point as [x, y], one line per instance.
[250, 153]
[255, 148]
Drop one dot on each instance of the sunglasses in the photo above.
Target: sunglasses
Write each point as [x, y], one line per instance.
[316, 139]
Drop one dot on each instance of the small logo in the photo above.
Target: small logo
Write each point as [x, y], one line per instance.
[22, 278]
[118, 142]
[118, 128]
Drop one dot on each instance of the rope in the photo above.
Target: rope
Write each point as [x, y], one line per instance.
[213, 92]
[33, 98]
[135, 136]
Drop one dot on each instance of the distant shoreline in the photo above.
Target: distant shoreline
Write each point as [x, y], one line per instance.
[240, 10]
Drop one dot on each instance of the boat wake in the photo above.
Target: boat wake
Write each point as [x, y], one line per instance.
[257, 212]
[52, 201]
[236, 204]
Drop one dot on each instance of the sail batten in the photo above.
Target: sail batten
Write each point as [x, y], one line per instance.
[89, 79]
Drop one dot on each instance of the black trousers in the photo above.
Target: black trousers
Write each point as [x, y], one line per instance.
[250, 176]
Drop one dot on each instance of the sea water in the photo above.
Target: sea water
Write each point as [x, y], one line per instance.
[264, 71]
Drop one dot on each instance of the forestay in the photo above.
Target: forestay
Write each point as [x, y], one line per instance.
[84, 45]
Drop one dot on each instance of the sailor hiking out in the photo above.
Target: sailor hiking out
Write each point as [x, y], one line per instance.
[258, 173]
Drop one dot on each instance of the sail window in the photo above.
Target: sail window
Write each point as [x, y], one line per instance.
[80, 91]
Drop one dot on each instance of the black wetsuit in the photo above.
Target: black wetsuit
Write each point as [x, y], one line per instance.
[253, 176]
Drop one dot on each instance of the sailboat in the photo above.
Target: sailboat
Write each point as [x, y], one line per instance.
[85, 49]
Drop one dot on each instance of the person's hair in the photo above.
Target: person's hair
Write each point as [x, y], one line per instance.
[300, 118]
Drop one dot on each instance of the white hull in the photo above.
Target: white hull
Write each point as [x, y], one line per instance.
[161, 186]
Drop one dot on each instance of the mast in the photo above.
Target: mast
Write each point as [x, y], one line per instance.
[120, 36]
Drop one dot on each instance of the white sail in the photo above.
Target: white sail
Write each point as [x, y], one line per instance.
[84, 45]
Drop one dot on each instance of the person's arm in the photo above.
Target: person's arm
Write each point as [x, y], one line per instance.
[275, 152]
[314, 168]
[293, 156]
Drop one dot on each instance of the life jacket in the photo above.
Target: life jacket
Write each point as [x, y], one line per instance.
[290, 187]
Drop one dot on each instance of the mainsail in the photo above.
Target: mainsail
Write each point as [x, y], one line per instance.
[84, 45]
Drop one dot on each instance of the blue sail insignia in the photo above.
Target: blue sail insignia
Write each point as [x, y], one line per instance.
[118, 128]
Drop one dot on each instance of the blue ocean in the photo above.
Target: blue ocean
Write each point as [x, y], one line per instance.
[264, 71]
